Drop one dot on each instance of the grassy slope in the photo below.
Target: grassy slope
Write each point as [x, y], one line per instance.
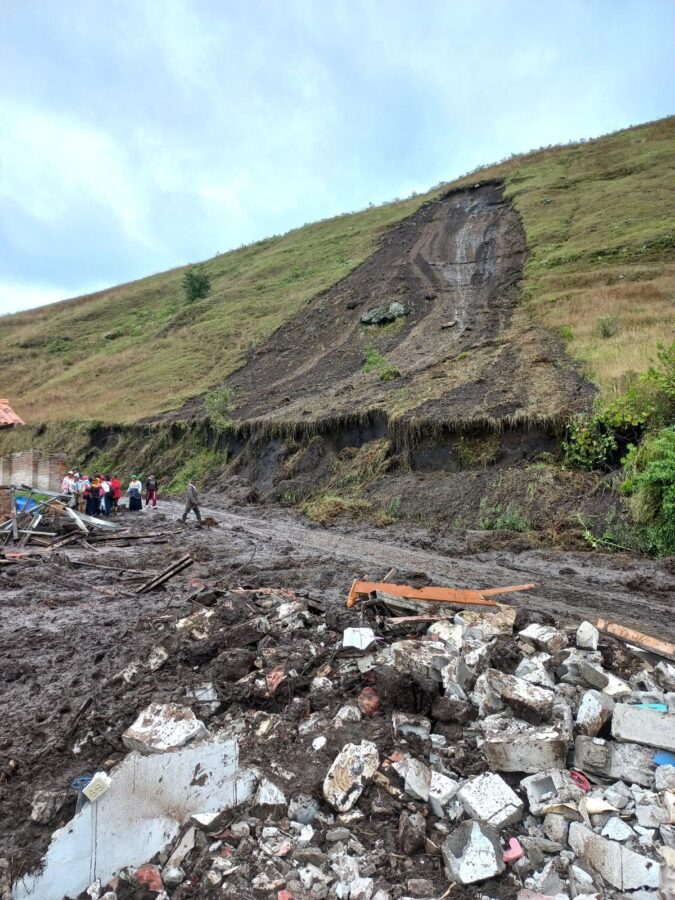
[599, 221]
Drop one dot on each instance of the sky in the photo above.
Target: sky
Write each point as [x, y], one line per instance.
[138, 135]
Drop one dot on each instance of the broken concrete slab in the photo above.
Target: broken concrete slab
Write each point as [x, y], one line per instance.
[425, 659]
[612, 759]
[351, 770]
[595, 710]
[406, 723]
[489, 799]
[545, 637]
[512, 745]
[416, 776]
[644, 726]
[550, 788]
[441, 791]
[47, 805]
[617, 830]
[535, 669]
[527, 699]
[162, 727]
[149, 800]
[472, 853]
[664, 778]
[622, 868]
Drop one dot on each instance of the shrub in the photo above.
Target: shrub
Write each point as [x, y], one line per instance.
[650, 484]
[503, 518]
[219, 405]
[196, 284]
[589, 443]
[375, 362]
[607, 326]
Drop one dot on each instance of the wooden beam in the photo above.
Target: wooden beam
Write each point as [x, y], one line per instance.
[461, 597]
[643, 641]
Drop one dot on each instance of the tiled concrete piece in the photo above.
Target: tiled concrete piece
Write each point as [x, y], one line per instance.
[352, 768]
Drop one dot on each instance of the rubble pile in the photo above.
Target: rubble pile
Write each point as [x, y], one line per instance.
[466, 753]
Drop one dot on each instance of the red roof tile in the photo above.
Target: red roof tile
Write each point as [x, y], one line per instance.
[8, 416]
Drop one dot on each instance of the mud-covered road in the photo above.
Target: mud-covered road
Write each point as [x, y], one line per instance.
[67, 629]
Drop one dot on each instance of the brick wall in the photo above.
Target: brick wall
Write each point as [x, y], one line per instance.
[33, 469]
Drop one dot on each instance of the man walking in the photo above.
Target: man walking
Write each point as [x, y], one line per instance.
[192, 503]
[151, 491]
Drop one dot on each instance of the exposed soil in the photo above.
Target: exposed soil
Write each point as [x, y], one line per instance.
[67, 630]
[456, 266]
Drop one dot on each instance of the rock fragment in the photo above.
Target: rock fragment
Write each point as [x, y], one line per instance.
[472, 853]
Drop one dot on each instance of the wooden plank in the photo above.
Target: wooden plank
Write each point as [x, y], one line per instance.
[172, 570]
[643, 641]
[12, 504]
[431, 594]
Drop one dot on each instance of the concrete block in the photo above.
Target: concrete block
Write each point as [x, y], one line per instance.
[416, 775]
[425, 659]
[535, 669]
[587, 636]
[451, 633]
[550, 788]
[545, 637]
[527, 700]
[512, 745]
[472, 853]
[617, 830]
[622, 868]
[162, 727]
[611, 759]
[489, 799]
[405, 723]
[595, 710]
[644, 726]
[664, 778]
[351, 770]
[665, 673]
[441, 791]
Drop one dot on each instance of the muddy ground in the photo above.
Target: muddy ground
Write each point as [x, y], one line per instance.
[67, 630]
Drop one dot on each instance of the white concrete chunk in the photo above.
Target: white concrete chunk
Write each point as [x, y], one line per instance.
[548, 788]
[622, 868]
[471, 853]
[441, 791]
[644, 726]
[545, 637]
[526, 698]
[665, 672]
[612, 759]
[489, 799]
[416, 775]
[404, 723]
[515, 746]
[352, 768]
[664, 778]
[535, 670]
[595, 710]
[162, 727]
[617, 830]
[587, 636]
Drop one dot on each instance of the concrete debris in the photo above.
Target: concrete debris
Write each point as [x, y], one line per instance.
[489, 799]
[163, 727]
[545, 637]
[587, 636]
[644, 726]
[338, 765]
[472, 852]
[595, 710]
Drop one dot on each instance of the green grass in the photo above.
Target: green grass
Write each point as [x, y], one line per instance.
[599, 223]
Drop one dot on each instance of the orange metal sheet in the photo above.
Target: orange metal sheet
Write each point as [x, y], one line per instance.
[431, 594]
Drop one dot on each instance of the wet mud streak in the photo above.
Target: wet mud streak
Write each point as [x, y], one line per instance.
[459, 259]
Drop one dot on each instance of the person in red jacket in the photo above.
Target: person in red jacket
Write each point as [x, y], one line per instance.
[116, 486]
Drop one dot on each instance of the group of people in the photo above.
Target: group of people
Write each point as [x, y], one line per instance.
[99, 495]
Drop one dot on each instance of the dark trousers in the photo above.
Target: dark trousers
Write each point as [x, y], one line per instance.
[195, 509]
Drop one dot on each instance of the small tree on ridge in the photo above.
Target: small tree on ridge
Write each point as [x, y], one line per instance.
[196, 284]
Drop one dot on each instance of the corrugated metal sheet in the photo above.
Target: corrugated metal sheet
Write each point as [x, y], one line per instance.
[8, 416]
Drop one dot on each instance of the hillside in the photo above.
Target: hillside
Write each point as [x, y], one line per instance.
[598, 240]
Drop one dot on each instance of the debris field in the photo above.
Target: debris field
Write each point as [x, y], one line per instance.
[252, 739]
